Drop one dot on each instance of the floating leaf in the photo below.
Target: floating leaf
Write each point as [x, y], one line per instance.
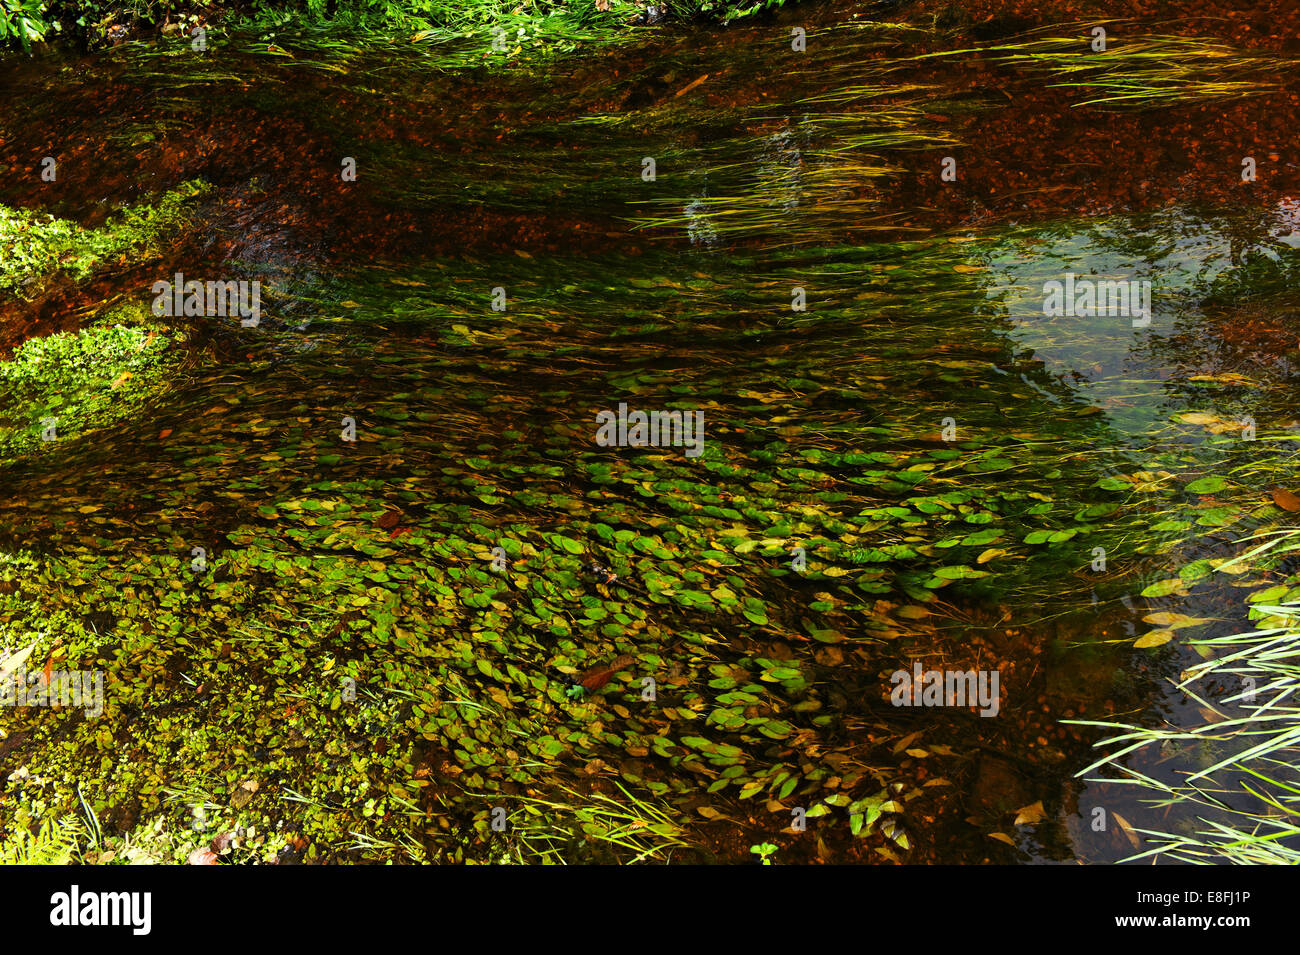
[1164, 588]
[1287, 500]
[1155, 638]
[1176, 621]
[1207, 485]
[1031, 814]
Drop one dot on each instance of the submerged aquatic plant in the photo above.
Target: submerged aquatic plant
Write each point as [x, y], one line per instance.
[1246, 798]
[633, 829]
[1138, 71]
[68, 384]
[34, 246]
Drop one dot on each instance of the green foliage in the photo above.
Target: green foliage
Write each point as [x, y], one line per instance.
[372, 682]
[56, 842]
[765, 851]
[23, 21]
[724, 10]
[82, 381]
[35, 246]
[1251, 743]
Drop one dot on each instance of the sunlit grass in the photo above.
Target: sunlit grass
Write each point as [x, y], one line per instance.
[548, 830]
[1247, 802]
[1142, 71]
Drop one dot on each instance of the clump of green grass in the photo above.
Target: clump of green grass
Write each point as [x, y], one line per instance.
[553, 830]
[455, 34]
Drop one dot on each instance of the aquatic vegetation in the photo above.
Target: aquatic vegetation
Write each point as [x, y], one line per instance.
[1141, 71]
[23, 22]
[66, 385]
[352, 592]
[553, 831]
[1245, 800]
[764, 852]
[37, 246]
[367, 582]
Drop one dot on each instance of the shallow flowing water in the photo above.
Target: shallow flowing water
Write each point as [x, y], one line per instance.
[336, 565]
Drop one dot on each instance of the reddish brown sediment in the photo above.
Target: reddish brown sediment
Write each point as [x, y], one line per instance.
[1029, 152]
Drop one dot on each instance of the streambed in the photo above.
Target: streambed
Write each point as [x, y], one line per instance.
[337, 567]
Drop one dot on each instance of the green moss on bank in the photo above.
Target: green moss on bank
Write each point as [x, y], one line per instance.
[35, 246]
[67, 385]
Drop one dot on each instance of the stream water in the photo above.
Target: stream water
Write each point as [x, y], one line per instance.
[335, 565]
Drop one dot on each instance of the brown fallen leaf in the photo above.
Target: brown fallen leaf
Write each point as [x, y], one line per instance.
[388, 520]
[1128, 830]
[1286, 500]
[1031, 814]
[597, 677]
[202, 856]
[243, 793]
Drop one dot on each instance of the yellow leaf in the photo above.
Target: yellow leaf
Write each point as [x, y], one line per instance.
[1153, 639]
[1128, 830]
[1028, 815]
[1227, 378]
[690, 86]
[1199, 417]
[1175, 621]
[989, 554]
[1003, 837]
[906, 741]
